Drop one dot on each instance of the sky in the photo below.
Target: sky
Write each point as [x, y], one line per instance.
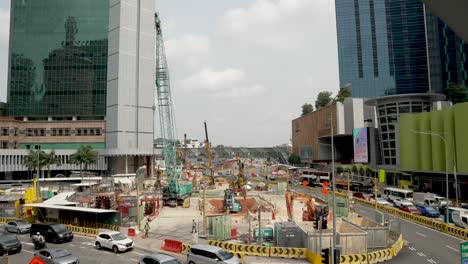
[244, 66]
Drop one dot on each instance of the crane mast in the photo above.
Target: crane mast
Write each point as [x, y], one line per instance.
[174, 191]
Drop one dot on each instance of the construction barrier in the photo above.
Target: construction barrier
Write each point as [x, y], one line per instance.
[380, 255]
[84, 224]
[185, 248]
[312, 257]
[131, 231]
[422, 220]
[396, 248]
[241, 256]
[83, 231]
[253, 250]
[172, 245]
[4, 220]
[223, 245]
[287, 252]
[354, 259]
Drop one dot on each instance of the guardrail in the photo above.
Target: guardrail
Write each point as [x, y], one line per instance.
[4, 220]
[374, 256]
[422, 220]
[83, 231]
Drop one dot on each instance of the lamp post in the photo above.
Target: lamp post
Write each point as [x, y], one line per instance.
[429, 133]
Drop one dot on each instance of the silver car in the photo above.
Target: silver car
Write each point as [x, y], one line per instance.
[18, 226]
[57, 256]
[206, 254]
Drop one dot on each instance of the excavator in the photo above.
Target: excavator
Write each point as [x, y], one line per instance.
[313, 211]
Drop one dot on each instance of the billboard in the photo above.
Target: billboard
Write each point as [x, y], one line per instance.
[361, 149]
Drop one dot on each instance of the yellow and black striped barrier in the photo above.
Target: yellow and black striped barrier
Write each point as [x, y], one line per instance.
[253, 250]
[185, 248]
[7, 219]
[354, 259]
[287, 252]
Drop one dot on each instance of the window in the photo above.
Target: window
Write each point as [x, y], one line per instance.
[4, 131]
[66, 132]
[42, 132]
[54, 132]
[78, 132]
[4, 144]
[149, 261]
[29, 132]
[98, 132]
[60, 132]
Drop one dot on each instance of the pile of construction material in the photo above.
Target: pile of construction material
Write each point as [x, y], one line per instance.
[105, 201]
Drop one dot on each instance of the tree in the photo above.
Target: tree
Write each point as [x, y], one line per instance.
[294, 159]
[343, 93]
[84, 155]
[51, 159]
[456, 93]
[35, 160]
[323, 99]
[307, 108]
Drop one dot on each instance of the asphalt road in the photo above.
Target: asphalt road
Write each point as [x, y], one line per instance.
[422, 245]
[82, 247]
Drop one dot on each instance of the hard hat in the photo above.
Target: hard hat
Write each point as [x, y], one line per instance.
[38, 233]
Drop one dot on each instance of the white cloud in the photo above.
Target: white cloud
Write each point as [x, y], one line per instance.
[189, 50]
[229, 83]
[279, 24]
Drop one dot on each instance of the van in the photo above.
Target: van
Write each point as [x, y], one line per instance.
[206, 254]
[52, 232]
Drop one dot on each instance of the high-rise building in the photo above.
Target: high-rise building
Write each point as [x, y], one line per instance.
[74, 61]
[396, 47]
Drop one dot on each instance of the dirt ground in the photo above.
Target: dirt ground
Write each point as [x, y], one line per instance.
[247, 204]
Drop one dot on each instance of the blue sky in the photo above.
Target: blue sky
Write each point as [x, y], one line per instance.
[244, 66]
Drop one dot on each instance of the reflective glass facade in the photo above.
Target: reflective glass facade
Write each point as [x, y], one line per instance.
[58, 58]
[388, 47]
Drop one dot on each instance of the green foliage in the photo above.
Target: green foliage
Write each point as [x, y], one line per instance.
[35, 160]
[51, 159]
[343, 93]
[456, 93]
[85, 155]
[323, 99]
[294, 159]
[307, 108]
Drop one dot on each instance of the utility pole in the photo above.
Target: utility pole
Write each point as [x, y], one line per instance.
[333, 193]
[259, 226]
[204, 212]
[250, 226]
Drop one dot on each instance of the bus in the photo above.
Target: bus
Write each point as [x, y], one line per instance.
[390, 193]
[314, 177]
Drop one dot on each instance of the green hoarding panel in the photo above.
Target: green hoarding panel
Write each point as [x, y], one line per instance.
[437, 145]
[461, 136]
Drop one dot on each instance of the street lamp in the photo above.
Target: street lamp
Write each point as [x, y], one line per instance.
[429, 133]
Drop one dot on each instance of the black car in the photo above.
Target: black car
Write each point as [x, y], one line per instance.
[9, 243]
[52, 232]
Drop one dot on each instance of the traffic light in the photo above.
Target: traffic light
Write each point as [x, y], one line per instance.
[325, 254]
[336, 255]
[316, 223]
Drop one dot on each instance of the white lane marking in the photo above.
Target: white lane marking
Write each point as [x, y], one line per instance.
[421, 254]
[87, 243]
[27, 251]
[82, 247]
[454, 249]
[431, 261]
[421, 234]
[132, 259]
[27, 243]
[412, 248]
[71, 245]
[138, 253]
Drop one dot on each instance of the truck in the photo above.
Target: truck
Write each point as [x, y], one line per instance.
[459, 217]
[429, 199]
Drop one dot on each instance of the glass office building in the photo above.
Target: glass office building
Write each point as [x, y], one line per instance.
[392, 47]
[58, 58]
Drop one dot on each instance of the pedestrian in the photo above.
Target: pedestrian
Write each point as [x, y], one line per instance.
[147, 228]
[194, 226]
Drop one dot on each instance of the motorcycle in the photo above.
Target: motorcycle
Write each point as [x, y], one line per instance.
[38, 242]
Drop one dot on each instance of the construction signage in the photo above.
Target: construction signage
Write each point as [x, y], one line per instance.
[37, 260]
[464, 252]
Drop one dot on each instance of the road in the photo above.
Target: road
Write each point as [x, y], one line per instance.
[82, 247]
[422, 245]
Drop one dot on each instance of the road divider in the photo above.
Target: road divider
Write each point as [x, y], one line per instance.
[172, 245]
[4, 220]
[418, 219]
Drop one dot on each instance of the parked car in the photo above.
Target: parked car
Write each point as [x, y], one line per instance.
[428, 211]
[206, 254]
[113, 240]
[398, 201]
[52, 232]
[9, 243]
[159, 258]
[57, 256]
[409, 208]
[18, 226]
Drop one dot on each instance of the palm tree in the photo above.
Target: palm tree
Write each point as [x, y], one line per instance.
[84, 155]
[35, 160]
[51, 159]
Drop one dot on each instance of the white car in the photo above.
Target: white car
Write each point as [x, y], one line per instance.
[398, 201]
[113, 240]
[382, 201]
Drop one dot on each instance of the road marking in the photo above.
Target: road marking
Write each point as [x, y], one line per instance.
[27, 251]
[454, 249]
[87, 243]
[431, 261]
[71, 245]
[138, 253]
[82, 247]
[412, 248]
[421, 234]
[421, 254]
[27, 243]
[132, 259]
